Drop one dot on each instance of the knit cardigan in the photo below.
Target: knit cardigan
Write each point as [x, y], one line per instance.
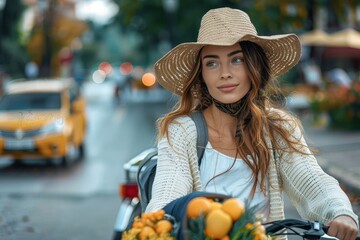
[316, 195]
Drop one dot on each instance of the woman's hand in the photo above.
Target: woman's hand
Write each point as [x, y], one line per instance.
[343, 227]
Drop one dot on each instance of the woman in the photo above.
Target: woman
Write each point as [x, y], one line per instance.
[256, 149]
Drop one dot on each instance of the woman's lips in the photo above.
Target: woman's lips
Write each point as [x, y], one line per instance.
[227, 87]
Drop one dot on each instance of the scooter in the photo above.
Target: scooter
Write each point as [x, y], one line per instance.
[130, 206]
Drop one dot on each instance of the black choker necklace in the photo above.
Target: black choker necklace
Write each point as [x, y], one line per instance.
[234, 109]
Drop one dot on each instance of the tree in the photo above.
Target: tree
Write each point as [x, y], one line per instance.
[12, 57]
[48, 37]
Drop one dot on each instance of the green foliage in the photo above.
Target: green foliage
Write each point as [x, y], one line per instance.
[196, 228]
[11, 15]
[239, 229]
[88, 55]
[12, 59]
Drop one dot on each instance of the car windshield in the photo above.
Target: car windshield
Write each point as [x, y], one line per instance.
[30, 101]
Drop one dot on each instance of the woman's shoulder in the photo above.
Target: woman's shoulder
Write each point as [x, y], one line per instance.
[282, 115]
[184, 124]
[181, 130]
[284, 119]
[183, 120]
[280, 112]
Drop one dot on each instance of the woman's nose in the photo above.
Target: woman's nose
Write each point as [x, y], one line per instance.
[225, 73]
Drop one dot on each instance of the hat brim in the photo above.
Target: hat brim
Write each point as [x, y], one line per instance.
[175, 67]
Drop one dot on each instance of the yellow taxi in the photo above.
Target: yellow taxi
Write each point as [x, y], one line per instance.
[44, 119]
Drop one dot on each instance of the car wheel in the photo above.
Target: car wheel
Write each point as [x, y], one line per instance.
[66, 162]
[18, 162]
[70, 157]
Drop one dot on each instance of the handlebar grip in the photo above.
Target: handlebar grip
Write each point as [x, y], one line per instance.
[278, 225]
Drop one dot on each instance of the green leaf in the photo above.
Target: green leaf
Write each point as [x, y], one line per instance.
[195, 228]
[238, 230]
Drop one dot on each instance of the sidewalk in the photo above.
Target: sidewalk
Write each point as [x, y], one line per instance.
[339, 154]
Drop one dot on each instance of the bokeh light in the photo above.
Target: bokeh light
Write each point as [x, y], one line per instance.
[105, 67]
[126, 68]
[99, 76]
[148, 79]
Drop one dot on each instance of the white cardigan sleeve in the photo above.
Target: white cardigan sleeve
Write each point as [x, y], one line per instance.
[175, 165]
[315, 194]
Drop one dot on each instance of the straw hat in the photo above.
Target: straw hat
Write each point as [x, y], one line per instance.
[225, 27]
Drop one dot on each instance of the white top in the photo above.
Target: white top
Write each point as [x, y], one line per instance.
[234, 178]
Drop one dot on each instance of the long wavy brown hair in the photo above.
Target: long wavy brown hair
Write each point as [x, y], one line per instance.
[256, 121]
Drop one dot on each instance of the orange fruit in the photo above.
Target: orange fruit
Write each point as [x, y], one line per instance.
[146, 232]
[150, 223]
[215, 205]
[152, 216]
[138, 224]
[163, 226]
[217, 224]
[234, 207]
[159, 214]
[198, 206]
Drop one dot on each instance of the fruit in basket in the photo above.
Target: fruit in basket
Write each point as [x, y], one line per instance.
[198, 206]
[230, 219]
[217, 224]
[163, 226]
[146, 233]
[153, 225]
[215, 205]
[234, 207]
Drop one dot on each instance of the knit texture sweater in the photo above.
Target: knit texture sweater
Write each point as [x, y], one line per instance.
[315, 194]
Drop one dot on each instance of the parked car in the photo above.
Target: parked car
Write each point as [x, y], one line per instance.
[44, 119]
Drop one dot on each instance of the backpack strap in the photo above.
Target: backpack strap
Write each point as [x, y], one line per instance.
[202, 133]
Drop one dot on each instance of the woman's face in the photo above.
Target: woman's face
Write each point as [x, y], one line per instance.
[224, 73]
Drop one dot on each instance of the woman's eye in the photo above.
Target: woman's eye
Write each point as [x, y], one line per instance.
[211, 64]
[238, 60]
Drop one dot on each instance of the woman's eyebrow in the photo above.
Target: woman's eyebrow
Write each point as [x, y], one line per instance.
[210, 56]
[229, 54]
[234, 52]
